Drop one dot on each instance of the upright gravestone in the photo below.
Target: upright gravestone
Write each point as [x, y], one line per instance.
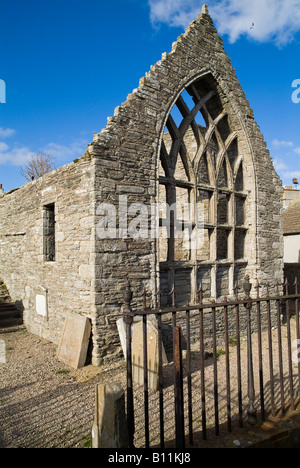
[152, 355]
[74, 341]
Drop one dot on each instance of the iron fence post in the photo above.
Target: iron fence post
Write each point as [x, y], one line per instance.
[128, 319]
[178, 387]
[252, 416]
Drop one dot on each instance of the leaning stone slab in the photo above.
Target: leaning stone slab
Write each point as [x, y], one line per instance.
[74, 341]
[110, 427]
[122, 335]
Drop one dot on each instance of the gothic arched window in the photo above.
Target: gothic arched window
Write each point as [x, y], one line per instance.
[201, 179]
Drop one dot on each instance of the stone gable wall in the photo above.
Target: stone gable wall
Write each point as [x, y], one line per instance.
[127, 151]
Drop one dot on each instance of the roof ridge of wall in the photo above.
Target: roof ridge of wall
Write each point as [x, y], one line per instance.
[206, 23]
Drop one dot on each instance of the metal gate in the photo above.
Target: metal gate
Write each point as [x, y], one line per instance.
[230, 361]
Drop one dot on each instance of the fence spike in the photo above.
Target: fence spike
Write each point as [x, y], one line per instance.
[173, 296]
[200, 294]
[286, 285]
[296, 285]
[127, 298]
[236, 289]
[247, 286]
[144, 299]
[158, 298]
[257, 287]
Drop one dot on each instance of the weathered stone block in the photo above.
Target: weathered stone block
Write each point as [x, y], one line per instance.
[110, 428]
[152, 355]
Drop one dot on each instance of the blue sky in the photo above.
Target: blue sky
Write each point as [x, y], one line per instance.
[67, 64]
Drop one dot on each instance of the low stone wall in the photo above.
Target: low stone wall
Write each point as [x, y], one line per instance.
[48, 290]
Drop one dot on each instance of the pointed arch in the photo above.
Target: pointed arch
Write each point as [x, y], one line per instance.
[203, 166]
[239, 177]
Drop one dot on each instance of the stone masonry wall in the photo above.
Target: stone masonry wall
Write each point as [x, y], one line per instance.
[127, 157]
[69, 279]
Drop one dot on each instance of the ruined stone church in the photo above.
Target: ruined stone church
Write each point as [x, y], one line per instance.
[187, 134]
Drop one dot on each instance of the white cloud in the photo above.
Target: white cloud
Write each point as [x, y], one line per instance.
[292, 174]
[279, 165]
[174, 12]
[66, 152]
[19, 155]
[3, 146]
[297, 150]
[16, 156]
[274, 20]
[282, 143]
[6, 132]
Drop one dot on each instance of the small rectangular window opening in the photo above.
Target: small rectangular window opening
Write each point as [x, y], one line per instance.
[49, 232]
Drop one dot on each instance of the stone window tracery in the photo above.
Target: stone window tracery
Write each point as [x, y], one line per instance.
[201, 167]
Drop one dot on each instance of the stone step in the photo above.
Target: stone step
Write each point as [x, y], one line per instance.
[7, 306]
[9, 313]
[10, 316]
[10, 323]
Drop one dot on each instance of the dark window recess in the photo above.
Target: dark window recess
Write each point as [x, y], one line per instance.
[223, 208]
[239, 245]
[49, 233]
[222, 244]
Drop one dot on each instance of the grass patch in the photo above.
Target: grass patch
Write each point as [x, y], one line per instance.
[62, 371]
[86, 441]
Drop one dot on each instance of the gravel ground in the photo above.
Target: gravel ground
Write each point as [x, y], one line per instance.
[197, 415]
[46, 404]
[43, 402]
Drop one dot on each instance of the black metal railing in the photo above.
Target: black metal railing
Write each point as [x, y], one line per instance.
[253, 374]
